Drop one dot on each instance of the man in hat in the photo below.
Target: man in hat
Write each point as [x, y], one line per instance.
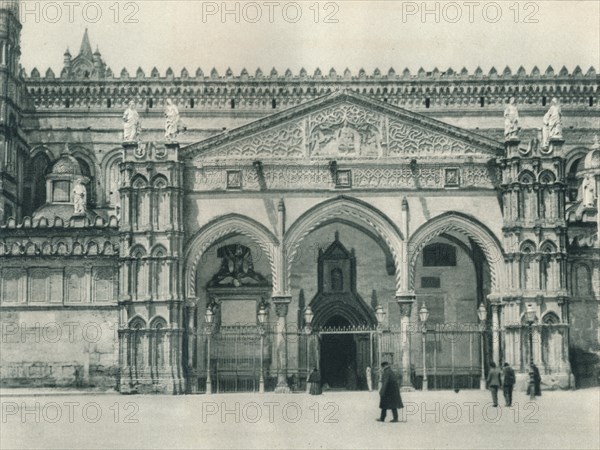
[389, 395]
[508, 382]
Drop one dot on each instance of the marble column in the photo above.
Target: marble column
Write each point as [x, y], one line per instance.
[281, 310]
[496, 333]
[405, 303]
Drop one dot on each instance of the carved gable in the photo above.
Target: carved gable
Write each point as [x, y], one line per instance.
[344, 126]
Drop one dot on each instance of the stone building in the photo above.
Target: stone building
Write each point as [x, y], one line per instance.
[156, 261]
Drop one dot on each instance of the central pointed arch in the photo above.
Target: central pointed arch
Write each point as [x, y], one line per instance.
[349, 210]
[221, 228]
[468, 226]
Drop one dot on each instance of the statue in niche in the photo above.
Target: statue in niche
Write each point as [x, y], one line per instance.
[237, 268]
[131, 124]
[511, 120]
[79, 197]
[589, 192]
[552, 125]
[173, 121]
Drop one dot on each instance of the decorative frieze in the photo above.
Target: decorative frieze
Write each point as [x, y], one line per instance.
[318, 177]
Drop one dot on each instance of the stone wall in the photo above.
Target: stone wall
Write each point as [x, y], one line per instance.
[59, 347]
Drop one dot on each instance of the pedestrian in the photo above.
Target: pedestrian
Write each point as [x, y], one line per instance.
[369, 379]
[314, 380]
[508, 382]
[537, 380]
[494, 382]
[350, 378]
[389, 394]
[531, 384]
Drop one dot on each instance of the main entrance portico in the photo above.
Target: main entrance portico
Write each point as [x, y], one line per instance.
[346, 206]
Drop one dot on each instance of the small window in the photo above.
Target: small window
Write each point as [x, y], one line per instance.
[191, 102]
[343, 179]
[439, 255]
[61, 191]
[150, 103]
[427, 103]
[234, 179]
[430, 282]
[274, 103]
[544, 100]
[591, 102]
[108, 103]
[337, 280]
[233, 103]
[452, 177]
[481, 101]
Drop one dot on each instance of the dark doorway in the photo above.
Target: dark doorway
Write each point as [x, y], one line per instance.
[338, 357]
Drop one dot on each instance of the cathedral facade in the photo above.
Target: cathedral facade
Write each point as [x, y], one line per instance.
[277, 222]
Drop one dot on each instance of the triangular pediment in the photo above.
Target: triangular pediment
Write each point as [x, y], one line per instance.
[344, 125]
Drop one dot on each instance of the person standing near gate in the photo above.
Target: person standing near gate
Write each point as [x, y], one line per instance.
[389, 395]
[369, 379]
[494, 382]
[314, 381]
[508, 382]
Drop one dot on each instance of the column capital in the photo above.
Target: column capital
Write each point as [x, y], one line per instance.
[406, 297]
[494, 299]
[281, 305]
[281, 299]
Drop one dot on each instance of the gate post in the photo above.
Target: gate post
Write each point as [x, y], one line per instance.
[405, 301]
[281, 309]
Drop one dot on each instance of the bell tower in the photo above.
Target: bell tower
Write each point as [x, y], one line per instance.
[12, 144]
[150, 290]
[533, 193]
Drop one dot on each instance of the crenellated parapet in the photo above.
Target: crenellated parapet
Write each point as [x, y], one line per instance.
[267, 91]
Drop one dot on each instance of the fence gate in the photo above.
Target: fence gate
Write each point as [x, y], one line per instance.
[236, 358]
[453, 357]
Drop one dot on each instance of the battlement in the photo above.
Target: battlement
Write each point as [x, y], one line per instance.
[58, 224]
[333, 75]
[422, 90]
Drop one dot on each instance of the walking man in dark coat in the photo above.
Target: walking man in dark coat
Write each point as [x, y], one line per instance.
[537, 379]
[508, 382]
[494, 382]
[389, 395]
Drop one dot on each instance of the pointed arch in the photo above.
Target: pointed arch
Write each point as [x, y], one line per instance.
[157, 322]
[159, 250]
[550, 318]
[138, 251]
[352, 211]
[112, 176]
[221, 228]
[468, 226]
[137, 322]
[139, 182]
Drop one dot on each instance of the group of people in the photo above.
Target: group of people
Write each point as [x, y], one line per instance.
[506, 379]
[390, 398]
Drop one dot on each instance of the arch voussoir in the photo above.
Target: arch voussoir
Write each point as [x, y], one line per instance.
[223, 227]
[468, 227]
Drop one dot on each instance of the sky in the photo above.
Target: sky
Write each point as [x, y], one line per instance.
[311, 34]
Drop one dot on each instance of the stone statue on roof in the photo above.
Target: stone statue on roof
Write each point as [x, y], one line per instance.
[552, 128]
[131, 124]
[79, 197]
[511, 120]
[172, 121]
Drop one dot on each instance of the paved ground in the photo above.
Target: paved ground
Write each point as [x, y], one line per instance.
[333, 420]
